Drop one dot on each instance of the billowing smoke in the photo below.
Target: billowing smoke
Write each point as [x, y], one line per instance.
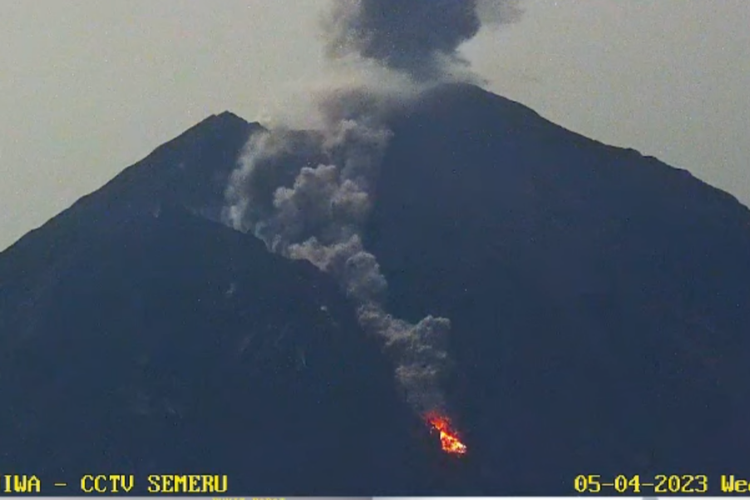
[418, 37]
[307, 194]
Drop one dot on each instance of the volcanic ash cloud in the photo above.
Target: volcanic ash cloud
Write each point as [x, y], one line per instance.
[417, 37]
[308, 194]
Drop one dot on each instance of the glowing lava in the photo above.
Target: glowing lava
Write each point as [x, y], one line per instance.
[448, 437]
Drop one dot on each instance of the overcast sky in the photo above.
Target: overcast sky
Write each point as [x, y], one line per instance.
[88, 87]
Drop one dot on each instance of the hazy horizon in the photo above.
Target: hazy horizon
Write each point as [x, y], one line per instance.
[91, 88]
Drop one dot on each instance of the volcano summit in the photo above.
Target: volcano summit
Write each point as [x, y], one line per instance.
[598, 305]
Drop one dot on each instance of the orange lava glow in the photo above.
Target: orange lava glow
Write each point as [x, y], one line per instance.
[448, 437]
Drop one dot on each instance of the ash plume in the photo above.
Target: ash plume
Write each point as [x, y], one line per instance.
[307, 194]
[417, 37]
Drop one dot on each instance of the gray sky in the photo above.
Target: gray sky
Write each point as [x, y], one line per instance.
[89, 87]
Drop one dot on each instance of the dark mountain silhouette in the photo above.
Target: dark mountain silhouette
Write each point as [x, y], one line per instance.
[140, 338]
[598, 300]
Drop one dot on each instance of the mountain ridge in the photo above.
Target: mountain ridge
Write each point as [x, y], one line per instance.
[597, 299]
[227, 121]
[571, 261]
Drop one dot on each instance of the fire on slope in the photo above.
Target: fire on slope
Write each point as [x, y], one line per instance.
[449, 439]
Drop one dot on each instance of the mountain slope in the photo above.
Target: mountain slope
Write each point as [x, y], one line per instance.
[190, 170]
[138, 337]
[598, 300]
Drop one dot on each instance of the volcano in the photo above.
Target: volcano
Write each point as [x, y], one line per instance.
[598, 299]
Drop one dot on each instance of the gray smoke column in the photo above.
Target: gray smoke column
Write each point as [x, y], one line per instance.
[308, 194]
[418, 37]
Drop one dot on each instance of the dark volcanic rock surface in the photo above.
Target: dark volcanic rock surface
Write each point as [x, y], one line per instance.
[598, 299]
[137, 337]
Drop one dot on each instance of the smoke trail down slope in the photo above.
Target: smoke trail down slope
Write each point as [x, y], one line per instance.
[319, 218]
[307, 195]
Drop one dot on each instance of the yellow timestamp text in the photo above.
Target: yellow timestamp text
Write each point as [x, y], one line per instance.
[635, 484]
